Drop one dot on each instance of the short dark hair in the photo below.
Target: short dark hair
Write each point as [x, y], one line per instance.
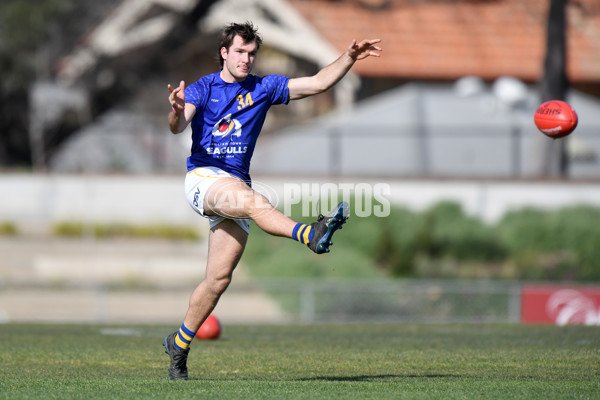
[246, 31]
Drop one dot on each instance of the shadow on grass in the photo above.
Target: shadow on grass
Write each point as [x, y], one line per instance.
[367, 378]
[333, 378]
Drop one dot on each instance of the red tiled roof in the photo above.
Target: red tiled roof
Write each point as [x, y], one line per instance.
[447, 39]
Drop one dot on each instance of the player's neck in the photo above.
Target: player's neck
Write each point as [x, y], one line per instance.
[229, 78]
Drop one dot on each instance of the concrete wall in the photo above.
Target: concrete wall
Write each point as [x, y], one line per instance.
[40, 200]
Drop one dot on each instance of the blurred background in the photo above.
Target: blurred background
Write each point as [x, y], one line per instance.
[491, 221]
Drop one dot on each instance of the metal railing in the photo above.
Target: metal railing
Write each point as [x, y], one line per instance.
[410, 301]
[301, 301]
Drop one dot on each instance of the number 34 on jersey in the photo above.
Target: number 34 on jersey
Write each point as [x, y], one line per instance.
[244, 101]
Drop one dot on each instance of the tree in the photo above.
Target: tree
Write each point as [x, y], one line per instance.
[34, 34]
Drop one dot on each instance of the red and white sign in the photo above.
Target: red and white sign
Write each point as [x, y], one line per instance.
[560, 305]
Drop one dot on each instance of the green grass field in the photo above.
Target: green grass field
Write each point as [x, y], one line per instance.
[304, 362]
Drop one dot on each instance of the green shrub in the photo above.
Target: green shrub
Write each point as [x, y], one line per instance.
[68, 229]
[560, 244]
[78, 229]
[454, 234]
[8, 229]
[398, 242]
[439, 236]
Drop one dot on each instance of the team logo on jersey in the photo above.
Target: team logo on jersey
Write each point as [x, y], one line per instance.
[227, 126]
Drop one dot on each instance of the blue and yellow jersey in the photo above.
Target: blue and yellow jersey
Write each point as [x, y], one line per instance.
[229, 118]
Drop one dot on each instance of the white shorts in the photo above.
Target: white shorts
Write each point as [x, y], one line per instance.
[197, 183]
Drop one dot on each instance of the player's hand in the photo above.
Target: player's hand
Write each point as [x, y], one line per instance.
[177, 96]
[364, 49]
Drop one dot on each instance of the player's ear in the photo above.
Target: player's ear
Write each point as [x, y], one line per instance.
[224, 53]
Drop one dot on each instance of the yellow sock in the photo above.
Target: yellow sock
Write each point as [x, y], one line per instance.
[184, 337]
[302, 233]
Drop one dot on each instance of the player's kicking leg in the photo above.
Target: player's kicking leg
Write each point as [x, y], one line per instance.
[254, 206]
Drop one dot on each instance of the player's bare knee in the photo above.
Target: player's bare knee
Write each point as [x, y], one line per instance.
[219, 285]
[259, 206]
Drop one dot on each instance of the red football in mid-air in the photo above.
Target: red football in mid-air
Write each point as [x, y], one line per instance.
[555, 119]
[210, 329]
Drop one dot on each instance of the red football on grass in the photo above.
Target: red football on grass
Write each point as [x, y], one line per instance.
[555, 119]
[210, 329]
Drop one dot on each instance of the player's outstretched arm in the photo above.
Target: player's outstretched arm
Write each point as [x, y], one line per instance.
[331, 74]
[181, 113]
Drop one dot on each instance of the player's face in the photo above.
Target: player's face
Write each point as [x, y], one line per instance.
[238, 60]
